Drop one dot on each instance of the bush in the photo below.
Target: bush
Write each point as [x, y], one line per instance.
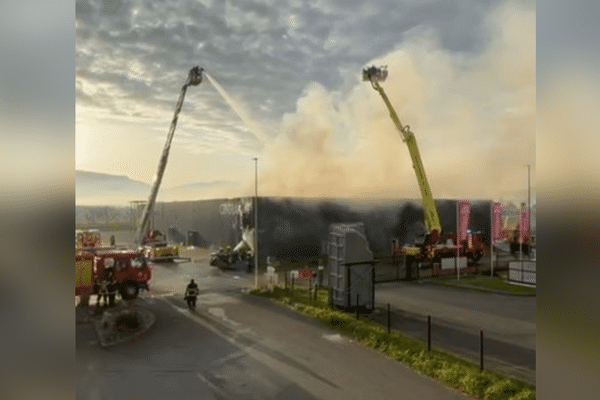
[526, 394]
[426, 363]
[476, 382]
[400, 354]
[503, 389]
[450, 373]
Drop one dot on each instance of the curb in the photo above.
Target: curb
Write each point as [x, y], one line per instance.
[480, 289]
[105, 326]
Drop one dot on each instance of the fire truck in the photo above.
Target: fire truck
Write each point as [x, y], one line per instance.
[156, 247]
[436, 244]
[128, 268]
[85, 238]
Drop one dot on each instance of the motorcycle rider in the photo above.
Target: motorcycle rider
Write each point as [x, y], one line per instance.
[191, 293]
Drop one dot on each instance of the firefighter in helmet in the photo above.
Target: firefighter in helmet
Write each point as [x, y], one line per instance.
[191, 293]
[112, 291]
[102, 293]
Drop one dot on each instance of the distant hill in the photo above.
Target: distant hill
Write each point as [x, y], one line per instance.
[98, 189]
[184, 191]
[94, 188]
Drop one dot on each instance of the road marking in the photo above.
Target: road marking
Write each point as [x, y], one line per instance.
[162, 295]
[216, 299]
[313, 384]
[336, 338]
[232, 356]
[205, 324]
[220, 313]
[215, 388]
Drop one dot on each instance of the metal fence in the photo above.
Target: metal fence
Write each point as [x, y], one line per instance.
[522, 272]
[463, 339]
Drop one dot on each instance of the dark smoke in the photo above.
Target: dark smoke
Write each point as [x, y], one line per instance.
[295, 229]
[481, 214]
[409, 223]
[410, 220]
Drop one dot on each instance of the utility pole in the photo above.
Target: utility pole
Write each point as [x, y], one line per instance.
[492, 239]
[457, 242]
[529, 198]
[255, 222]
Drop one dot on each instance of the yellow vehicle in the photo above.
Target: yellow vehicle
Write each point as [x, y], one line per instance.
[156, 247]
[87, 238]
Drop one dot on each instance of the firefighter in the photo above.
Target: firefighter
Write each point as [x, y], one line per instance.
[112, 292]
[102, 293]
[191, 292]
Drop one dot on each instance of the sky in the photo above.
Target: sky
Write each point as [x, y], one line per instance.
[288, 90]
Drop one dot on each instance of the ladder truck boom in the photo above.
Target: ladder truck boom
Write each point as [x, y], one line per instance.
[194, 78]
[374, 75]
[437, 244]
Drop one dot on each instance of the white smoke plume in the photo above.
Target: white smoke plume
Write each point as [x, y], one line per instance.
[473, 116]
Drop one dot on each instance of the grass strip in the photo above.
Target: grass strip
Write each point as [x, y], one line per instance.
[447, 368]
[484, 283]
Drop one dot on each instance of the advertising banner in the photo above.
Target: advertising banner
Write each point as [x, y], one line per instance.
[463, 219]
[497, 222]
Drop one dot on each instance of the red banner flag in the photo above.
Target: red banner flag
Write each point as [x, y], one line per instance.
[524, 223]
[497, 222]
[463, 219]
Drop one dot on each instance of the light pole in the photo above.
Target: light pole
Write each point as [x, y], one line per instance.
[529, 199]
[457, 242]
[255, 222]
[492, 239]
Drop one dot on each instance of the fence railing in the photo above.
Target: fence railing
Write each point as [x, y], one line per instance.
[522, 272]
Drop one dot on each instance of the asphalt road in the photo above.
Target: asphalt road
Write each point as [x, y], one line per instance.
[504, 317]
[458, 316]
[178, 358]
[236, 346]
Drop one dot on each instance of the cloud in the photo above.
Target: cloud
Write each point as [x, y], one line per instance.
[462, 75]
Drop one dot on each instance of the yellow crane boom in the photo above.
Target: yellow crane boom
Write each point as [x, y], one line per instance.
[374, 75]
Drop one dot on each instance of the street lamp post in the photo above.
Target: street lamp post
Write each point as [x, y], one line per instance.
[255, 222]
[529, 200]
[457, 242]
[492, 239]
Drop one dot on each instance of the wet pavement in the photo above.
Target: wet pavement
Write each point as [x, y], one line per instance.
[235, 346]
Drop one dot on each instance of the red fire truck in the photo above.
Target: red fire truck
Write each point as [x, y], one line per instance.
[85, 238]
[128, 267]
